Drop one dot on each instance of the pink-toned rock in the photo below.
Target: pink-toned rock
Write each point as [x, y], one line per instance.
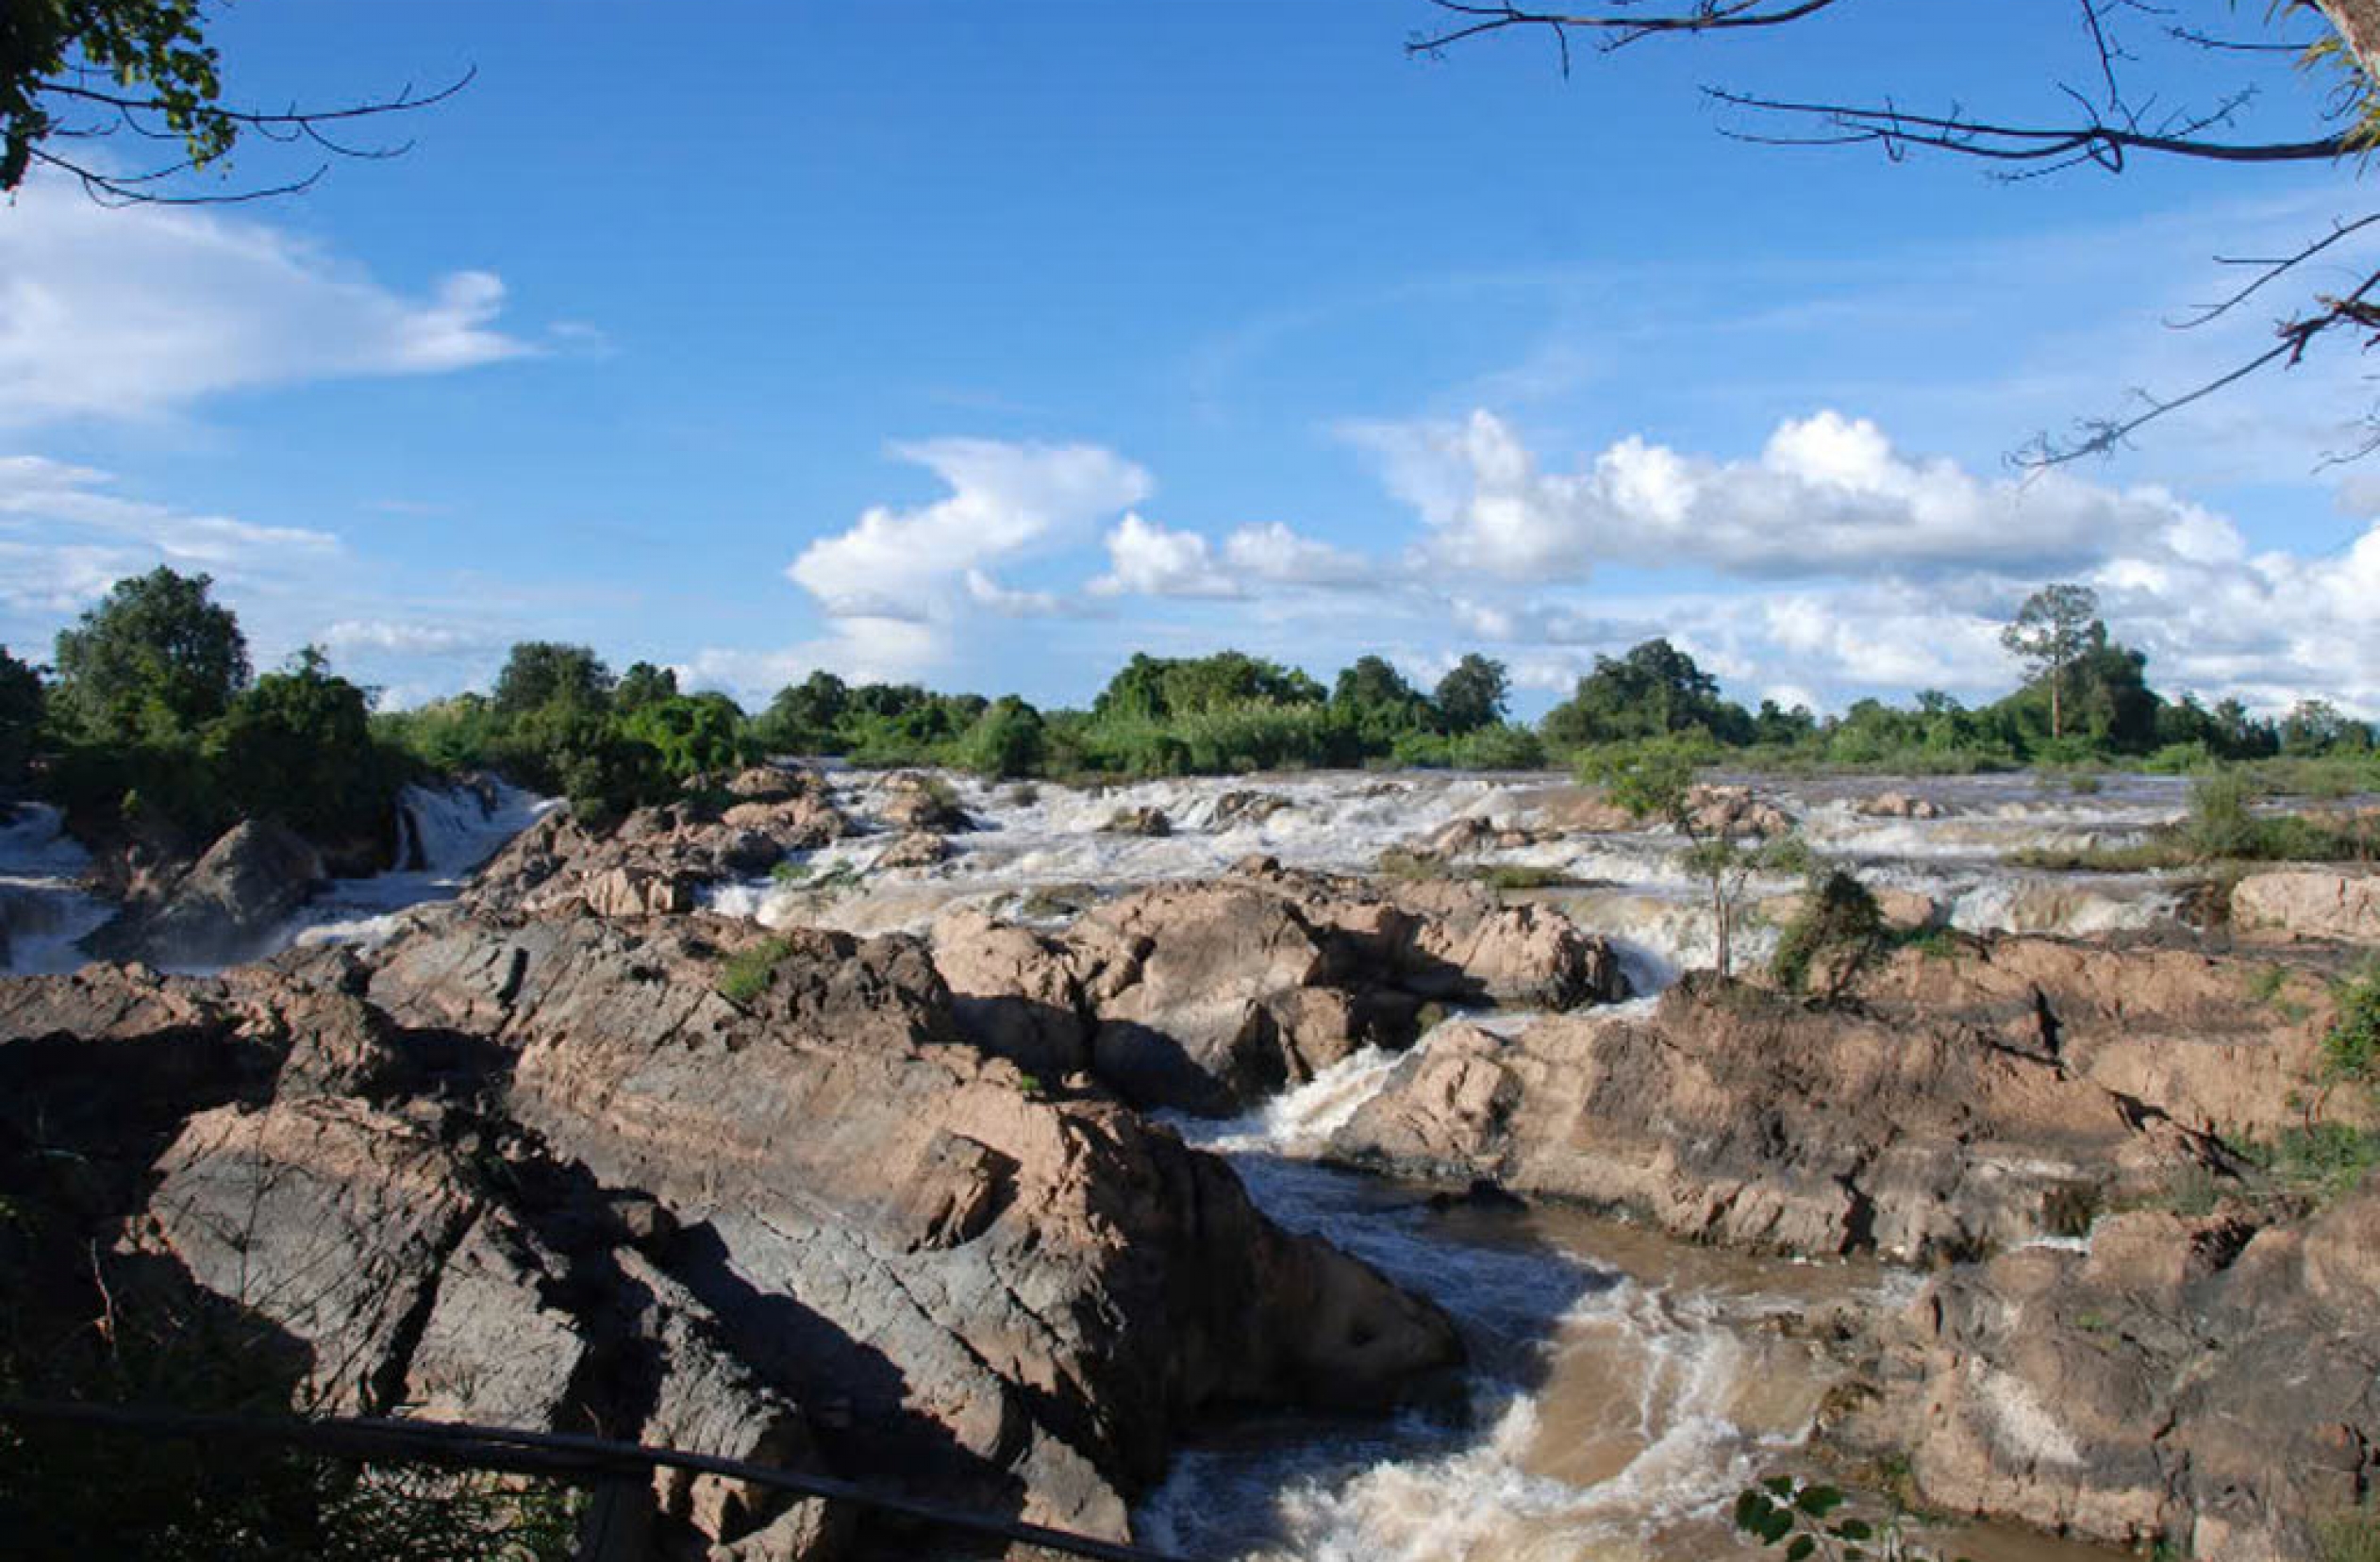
[2309, 903]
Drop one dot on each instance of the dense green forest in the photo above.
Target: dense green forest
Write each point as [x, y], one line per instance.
[150, 718]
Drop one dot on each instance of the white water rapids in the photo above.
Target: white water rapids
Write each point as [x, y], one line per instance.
[1040, 851]
[1624, 1388]
[445, 833]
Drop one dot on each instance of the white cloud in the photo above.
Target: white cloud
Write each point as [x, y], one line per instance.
[408, 639]
[139, 311]
[896, 586]
[1005, 500]
[1274, 553]
[1147, 560]
[1007, 602]
[1827, 495]
[864, 650]
[65, 536]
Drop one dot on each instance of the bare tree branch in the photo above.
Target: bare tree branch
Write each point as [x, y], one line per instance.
[139, 115]
[1618, 25]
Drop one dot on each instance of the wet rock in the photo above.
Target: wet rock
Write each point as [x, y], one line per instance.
[1896, 805]
[1137, 821]
[2311, 903]
[1243, 809]
[230, 903]
[914, 801]
[1577, 810]
[1735, 810]
[918, 848]
[654, 862]
[2190, 1380]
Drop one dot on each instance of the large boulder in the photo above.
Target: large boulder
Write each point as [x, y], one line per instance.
[911, 801]
[2190, 1381]
[2309, 903]
[226, 906]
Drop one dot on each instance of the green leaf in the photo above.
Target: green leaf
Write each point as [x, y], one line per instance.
[1854, 1529]
[1801, 1548]
[1779, 1526]
[1819, 1501]
[1781, 1485]
[1752, 1511]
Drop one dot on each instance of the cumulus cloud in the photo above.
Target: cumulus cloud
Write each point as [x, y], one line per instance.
[864, 650]
[1005, 500]
[1007, 602]
[1147, 560]
[141, 311]
[1273, 553]
[1827, 495]
[897, 584]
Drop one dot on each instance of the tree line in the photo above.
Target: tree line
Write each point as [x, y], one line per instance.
[150, 718]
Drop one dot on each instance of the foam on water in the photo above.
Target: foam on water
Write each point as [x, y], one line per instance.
[446, 834]
[1604, 1413]
[43, 908]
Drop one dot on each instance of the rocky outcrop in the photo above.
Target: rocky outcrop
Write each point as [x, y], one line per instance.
[911, 801]
[657, 859]
[544, 1173]
[1735, 810]
[1960, 1104]
[1240, 809]
[1898, 804]
[2194, 1381]
[1053, 1284]
[2309, 903]
[1210, 996]
[226, 905]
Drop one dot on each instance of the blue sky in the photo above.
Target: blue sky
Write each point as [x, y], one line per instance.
[983, 345]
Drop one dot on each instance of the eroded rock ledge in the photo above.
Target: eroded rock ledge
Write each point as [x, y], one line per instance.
[1211, 996]
[1957, 1105]
[543, 1173]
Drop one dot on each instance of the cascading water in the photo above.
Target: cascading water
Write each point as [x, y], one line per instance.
[444, 833]
[1629, 885]
[44, 906]
[1623, 1388]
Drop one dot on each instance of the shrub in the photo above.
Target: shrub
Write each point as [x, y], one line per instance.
[1838, 918]
[745, 975]
[1500, 746]
[2351, 1050]
[2220, 823]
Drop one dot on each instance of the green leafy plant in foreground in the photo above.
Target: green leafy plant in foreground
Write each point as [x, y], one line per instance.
[745, 975]
[1799, 1516]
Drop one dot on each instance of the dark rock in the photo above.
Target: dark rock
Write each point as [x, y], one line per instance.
[227, 906]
